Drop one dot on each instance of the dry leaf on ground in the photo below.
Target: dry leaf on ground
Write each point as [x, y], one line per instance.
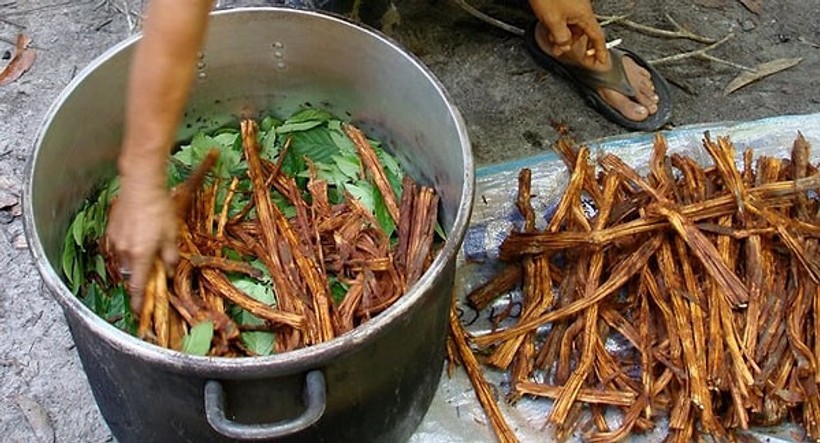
[20, 62]
[762, 71]
[755, 6]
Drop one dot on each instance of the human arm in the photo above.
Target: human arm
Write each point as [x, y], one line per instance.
[142, 224]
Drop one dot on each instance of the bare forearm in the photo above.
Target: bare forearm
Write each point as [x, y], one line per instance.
[161, 75]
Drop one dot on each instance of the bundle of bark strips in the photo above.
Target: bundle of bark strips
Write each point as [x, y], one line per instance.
[707, 277]
[299, 253]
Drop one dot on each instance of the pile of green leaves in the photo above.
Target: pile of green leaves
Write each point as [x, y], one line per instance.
[84, 266]
[316, 136]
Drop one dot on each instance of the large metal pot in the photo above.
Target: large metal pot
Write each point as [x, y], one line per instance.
[373, 384]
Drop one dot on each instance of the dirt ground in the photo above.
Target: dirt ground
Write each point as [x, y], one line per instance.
[507, 101]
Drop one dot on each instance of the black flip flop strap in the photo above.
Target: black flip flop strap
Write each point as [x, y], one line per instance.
[614, 79]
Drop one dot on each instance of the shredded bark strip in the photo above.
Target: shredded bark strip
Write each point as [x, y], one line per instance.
[705, 279]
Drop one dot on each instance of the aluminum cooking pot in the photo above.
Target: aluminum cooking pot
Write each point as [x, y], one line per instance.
[372, 384]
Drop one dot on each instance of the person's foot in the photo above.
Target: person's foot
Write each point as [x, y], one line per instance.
[638, 108]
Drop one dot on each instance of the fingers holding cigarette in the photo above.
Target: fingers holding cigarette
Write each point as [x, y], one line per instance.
[609, 45]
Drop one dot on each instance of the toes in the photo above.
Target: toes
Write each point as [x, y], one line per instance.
[641, 80]
[648, 99]
[647, 86]
[637, 75]
[651, 106]
[645, 101]
[641, 71]
[630, 109]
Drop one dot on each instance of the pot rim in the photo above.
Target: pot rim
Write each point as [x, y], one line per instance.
[249, 367]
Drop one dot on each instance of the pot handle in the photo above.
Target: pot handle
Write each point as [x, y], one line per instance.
[314, 396]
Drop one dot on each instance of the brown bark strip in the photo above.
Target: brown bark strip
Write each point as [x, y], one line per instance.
[314, 276]
[210, 206]
[422, 233]
[815, 296]
[176, 330]
[371, 163]
[321, 203]
[586, 395]
[269, 237]
[504, 281]
[482, 389]
[222, 286]
[374, 264]
[591, 339]
[223, 213]
[732, 287]
[716, 356]
[272, 223]
[538, 297]
[660, 300]
[723, 155]
[280, 159]
[611, 373]
[573, 191]
[264, 208]
[562, 405]
[800, 169]
[303, 223]
[798, 312]
[405, 224]
[184, 193]
[537, 285]
[622, 272]
[629, 421]
[811, 417]
[613, 318]
[523, 201]
[771, 194]
[348, 307]
[598, 419]
[224, 264]
[774, 311]
[796, 245]
[570, 156]
[735, 233]
[563, 368]
[183, 300]
[146, 315]
[691, 325]
[661, 172]
[161, 305]
[644, 346]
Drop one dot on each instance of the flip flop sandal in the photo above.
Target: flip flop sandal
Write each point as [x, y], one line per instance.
[587, 83]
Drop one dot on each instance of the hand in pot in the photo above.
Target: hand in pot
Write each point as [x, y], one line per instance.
[142, 225]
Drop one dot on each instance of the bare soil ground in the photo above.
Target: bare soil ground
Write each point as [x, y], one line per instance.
[507, 101]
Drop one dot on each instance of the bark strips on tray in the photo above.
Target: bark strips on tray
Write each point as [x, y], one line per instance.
[705, 277]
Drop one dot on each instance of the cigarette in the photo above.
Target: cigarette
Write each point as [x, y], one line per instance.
[609, 45]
